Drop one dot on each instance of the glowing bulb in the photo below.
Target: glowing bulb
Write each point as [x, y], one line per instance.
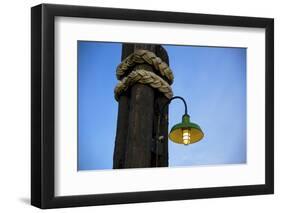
[186, 136]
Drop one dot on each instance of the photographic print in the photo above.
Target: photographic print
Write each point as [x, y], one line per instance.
[118, 135]
[141, 106]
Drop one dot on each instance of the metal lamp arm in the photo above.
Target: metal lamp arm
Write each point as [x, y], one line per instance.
[170, 100]
[160, 138]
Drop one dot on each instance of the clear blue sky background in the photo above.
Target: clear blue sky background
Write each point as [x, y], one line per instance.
[211, 79]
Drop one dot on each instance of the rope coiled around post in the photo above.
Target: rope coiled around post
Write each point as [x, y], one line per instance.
[144, 76]
[144, 56]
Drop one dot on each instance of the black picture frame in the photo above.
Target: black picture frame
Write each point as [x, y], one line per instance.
[43, 113]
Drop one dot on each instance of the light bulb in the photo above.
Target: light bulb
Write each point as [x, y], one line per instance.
[186, 136]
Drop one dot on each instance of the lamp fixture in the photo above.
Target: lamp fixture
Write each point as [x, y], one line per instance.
[185, 132]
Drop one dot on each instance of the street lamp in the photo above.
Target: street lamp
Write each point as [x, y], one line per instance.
[185, 132]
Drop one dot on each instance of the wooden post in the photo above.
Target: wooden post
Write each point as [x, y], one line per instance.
[122, 120]
[139, 138]
[160, 149]
[137, 120]
[121, 133]
[161, 158]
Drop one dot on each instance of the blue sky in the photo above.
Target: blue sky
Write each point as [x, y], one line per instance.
[211, 79]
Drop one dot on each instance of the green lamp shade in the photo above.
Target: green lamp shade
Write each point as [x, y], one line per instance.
[177, 132]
